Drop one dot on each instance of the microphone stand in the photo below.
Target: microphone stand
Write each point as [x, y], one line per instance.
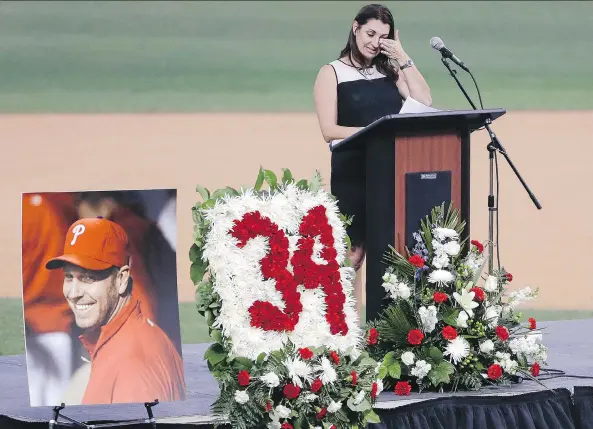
[493, 146]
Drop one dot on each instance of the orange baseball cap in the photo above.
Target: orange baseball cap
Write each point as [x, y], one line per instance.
[94, 244]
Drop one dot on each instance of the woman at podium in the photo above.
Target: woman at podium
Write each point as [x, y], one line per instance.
[371, 78]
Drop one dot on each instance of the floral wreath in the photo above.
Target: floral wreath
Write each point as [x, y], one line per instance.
[440, 328]
[273, 282]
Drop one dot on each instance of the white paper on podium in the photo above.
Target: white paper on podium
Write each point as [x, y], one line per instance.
[414, 106]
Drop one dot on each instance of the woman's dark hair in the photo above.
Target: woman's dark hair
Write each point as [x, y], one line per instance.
[381, 62]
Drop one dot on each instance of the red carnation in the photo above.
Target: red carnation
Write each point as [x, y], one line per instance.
[416, 260]
[373, 335]
[305, 353]
[415, 336]
[374, 389]
[478, 294]
[334, 356]
[495, 371]
[449, 333]
[286, 425]
[535, 369]
[354, 378]
[440, 297]
[321, 414]
[268, 406]
[502, 333]
[532, 323]
[316, 385]
[509, 277]
[333, 427]
[291, 391]
[478, 245]
[243, 378]
[403, 388]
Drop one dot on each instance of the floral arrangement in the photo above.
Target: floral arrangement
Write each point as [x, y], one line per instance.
[441, 327]
[273, 282]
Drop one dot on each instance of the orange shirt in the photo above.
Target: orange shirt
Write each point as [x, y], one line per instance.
[133, 360]
[44, 229]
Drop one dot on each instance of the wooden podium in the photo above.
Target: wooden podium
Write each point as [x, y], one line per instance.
[413, 163]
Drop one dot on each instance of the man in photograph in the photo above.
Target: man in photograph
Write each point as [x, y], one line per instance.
[132, 359]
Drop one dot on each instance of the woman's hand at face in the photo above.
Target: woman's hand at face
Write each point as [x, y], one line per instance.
[393, 49]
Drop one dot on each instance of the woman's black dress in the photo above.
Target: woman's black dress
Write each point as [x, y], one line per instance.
[362, 98]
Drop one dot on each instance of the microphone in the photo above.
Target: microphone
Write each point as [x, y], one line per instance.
[438, 44]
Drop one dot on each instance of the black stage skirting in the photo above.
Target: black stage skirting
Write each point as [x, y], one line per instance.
[567, 403]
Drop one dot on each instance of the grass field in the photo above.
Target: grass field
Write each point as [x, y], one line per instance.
[263, 56]
[193, 326]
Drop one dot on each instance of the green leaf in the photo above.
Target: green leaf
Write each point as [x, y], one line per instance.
[270, 178]
[435, 354]
[232, 191]
[197, 271]
[450, 317]
[261, 358]
[216, 335]
[287, 176]
[209, 204]
[219, 193]
[382, 372]
[395, 370]
[242, 363]
[316, 182]
[209, 317]
[371, 417]
[440, 373]
[363, 406]
[204, 193]
[260, 180]
[302, 184]
[215, 354]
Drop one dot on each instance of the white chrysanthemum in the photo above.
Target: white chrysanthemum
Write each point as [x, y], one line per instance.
[441, 260]
[457, 349]
[440, 276]
[491, 315]
[241, 396]
[428, 317]
[358, 398]
[528, 348]
[327, 372]
[298, 370]
[334, 406]
[403, 290]
[466, 301]
[452, 248]
[486, 346]
[408, 358]
[444, 233]
[508, 365]
[270, 379]
[282, 411]
[275, 424]
[421, 369]
[462, 319]
[491, 284]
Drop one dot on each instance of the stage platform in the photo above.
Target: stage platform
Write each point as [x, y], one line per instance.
[570, 346]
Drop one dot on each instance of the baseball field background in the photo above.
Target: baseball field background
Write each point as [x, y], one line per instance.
[139, 95]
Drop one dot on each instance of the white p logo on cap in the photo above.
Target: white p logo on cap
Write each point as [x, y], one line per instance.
[76, 231]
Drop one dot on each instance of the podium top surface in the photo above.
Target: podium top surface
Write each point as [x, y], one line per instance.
[413, 123]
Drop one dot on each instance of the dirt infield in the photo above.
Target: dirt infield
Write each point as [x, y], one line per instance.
[552, 150]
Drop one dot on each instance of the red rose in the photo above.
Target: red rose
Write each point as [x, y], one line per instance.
[440, 297]
[268, 406]
[291, 391]
[243, 378]
[478, 294]
[502, 333]
[478, 245]
[354, 378]
[416, 260]
[334, 356]
[415, 336]
[321, 414]
[509, 277]
[403, 388]
[286, 426]
[373, 335]
[532, 323]
[305, 353]
[494, 372]
[316, 385]
[535, 369]
[449, 333]
[374, 389]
